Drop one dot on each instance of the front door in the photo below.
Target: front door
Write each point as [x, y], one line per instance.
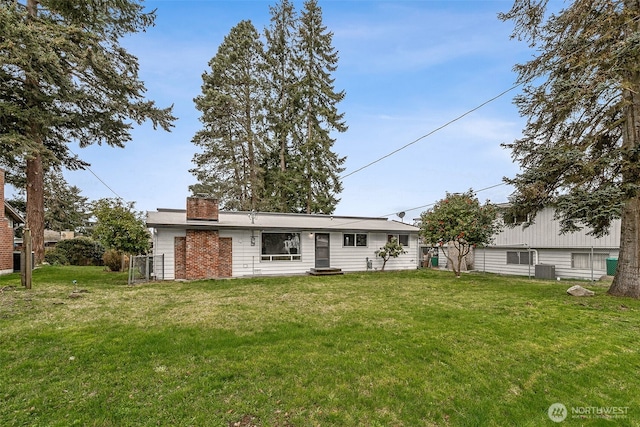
[322, 250]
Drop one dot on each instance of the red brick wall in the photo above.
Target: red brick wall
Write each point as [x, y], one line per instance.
[202, 254]
[200, 208]
[6, 233]
[225, 257]
[180, 258]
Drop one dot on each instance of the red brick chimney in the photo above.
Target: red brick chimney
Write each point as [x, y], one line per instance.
[200, 208]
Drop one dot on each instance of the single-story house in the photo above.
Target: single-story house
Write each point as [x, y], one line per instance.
[9, 219]
[539, 250]
[203, 242]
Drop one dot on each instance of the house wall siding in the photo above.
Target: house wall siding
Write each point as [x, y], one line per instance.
[238, 258]
[494, 260]
[545, 233]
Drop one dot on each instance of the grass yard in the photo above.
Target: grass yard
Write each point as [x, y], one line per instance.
[417, 348]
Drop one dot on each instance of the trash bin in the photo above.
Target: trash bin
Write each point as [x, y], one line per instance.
[612, 266]
[434, 261]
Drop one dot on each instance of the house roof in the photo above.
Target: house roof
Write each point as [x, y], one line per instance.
[177, 218]
[13, 213]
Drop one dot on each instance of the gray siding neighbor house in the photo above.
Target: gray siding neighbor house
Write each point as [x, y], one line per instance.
[540, 248]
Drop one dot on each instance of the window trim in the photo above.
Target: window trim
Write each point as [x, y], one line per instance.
[598, 257]
[355, 237]
[284, 256]
[397, 237]
[522, 257]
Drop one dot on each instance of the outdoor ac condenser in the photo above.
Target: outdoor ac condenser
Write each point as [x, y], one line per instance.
[545, 271]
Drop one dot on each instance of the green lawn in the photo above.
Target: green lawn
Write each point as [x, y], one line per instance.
[417, 348]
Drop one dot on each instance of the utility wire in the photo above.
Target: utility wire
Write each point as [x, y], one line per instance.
[98, 178]
[433, 131]
[431, 204]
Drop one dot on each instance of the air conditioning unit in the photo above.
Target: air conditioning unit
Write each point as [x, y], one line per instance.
[545, 271]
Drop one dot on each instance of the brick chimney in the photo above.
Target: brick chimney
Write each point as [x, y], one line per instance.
[201, 208]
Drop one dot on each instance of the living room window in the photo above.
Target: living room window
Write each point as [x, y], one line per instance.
[280, 247]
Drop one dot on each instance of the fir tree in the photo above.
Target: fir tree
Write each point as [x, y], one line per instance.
[64, 77]
[580, 151]
[283, 74]
[232, 140]
[315, 162]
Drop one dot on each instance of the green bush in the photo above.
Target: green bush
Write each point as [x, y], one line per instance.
[81, 251]
[55, 257]
[113, 260]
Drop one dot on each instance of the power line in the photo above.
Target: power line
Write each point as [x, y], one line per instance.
[433, 131]
[98, 178]
[355, 221]
[431, 204]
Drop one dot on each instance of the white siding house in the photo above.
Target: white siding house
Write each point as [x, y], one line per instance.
[518, 250]
[277, 243]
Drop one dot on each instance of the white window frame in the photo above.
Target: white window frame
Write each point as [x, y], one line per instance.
[582, 260]
[397, 237]
[355, 240]
[294, 239]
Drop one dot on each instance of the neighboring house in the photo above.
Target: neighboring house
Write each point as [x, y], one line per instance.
[539, 247]
[203, 242]
[9, 219]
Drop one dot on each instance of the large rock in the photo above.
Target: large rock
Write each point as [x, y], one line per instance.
[579, 291]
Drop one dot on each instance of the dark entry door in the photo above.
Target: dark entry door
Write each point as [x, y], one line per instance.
[322, 250]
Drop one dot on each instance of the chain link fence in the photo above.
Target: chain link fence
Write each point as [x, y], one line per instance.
[146, 268]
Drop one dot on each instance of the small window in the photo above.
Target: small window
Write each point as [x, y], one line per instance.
[583, 261]
[403, 239]
[520, 257]
[354, 239]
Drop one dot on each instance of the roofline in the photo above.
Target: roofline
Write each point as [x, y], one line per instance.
[17, 216]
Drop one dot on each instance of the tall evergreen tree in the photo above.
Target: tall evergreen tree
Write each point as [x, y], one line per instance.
[64, 77]
[64, 207]
[232, 107]
[581, 146]
[315, 162]
[269, 117]
[283, 74]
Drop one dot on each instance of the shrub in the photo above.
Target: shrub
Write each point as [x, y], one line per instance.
[81, 251]
[55, 257]
[113, 260]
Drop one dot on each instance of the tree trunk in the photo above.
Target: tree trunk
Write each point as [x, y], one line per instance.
[627, 279]
[35, 206]
[35, 179]
[452, 262]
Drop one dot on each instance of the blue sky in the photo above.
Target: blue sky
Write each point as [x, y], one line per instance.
[408, 67]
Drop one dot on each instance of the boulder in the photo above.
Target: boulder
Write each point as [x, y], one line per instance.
[579, 291]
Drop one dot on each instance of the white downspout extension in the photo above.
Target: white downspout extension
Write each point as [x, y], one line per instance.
[535, 256]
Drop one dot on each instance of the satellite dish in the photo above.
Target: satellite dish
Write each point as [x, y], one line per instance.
[401, 214]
